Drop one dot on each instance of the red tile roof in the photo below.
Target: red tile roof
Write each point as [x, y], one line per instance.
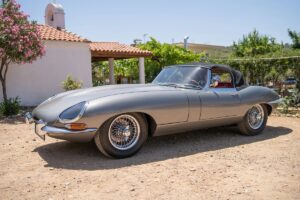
[116, 50]
[50, 33]
[99, 50]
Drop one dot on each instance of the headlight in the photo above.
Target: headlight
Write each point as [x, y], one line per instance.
[73, 113]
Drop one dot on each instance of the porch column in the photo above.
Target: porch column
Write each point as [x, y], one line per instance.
[111, 71]
[141, 70]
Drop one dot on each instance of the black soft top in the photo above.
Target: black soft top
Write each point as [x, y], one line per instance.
[237, 75]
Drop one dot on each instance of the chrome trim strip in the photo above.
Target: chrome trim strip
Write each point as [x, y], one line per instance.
[276, 101]
[208, 76]
[64, 121]
[51, 129]
[223, 90]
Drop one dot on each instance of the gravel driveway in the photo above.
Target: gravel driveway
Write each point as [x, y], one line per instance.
[208, 164]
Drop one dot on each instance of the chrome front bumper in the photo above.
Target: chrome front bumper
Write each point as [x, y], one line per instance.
[38, 124]
[41, 129]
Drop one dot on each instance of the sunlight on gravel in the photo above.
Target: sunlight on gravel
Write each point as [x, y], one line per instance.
[209, 164]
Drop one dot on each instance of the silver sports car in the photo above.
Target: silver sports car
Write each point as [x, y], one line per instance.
[120, 118]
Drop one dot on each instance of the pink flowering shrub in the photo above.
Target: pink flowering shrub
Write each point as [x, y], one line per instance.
[19, 39]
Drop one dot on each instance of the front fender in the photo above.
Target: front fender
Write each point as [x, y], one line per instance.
[165, 107]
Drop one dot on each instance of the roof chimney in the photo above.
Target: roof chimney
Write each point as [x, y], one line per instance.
[185, 42]
[55, 16]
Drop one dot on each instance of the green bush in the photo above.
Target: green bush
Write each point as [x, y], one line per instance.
[290, 101]
[10, 107]
[71, 84]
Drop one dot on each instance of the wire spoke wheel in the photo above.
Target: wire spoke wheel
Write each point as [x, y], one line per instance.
[124, 132]
[255, 116]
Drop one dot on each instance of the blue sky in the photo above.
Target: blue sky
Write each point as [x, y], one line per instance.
[217, 22]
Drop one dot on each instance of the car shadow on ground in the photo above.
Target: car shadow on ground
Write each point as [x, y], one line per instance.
[85, 156]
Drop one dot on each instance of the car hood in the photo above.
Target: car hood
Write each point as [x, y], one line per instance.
[49, 110]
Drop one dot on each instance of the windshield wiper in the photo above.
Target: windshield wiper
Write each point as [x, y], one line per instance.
[188, 86]
[169, 84]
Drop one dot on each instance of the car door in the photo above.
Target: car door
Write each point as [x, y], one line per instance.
[221, 100]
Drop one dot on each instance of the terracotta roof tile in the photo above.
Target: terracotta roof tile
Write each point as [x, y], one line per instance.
[117, 49]
[50, 33]
[98, 49]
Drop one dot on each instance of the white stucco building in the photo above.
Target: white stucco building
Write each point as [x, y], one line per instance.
[66, 54]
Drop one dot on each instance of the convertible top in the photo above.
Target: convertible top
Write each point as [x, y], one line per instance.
[237, 75]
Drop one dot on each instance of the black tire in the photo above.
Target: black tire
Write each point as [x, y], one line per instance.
[103, 142]
[245, 127]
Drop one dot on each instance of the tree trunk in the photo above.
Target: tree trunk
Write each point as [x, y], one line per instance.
[298, 78]
[3, 72]
[3, 83]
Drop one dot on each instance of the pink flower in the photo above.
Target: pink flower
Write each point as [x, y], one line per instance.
[22, 39]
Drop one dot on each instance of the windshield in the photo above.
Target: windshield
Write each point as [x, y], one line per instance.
[182, 76]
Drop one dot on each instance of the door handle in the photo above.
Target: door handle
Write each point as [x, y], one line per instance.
[234, 95]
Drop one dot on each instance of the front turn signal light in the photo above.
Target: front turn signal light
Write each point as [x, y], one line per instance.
[75, 126]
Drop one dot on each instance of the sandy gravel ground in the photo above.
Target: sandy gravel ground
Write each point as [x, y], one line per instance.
[209, 164]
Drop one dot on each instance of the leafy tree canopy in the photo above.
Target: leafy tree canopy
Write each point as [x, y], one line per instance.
[166, 54]
[163, 55]
[255, 44]
[295, 38]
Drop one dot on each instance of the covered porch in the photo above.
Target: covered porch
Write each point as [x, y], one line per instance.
[111, 51]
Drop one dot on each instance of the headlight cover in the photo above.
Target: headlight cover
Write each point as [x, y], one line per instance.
[73, 113]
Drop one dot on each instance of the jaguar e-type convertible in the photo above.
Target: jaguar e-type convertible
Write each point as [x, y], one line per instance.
[120, 118]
